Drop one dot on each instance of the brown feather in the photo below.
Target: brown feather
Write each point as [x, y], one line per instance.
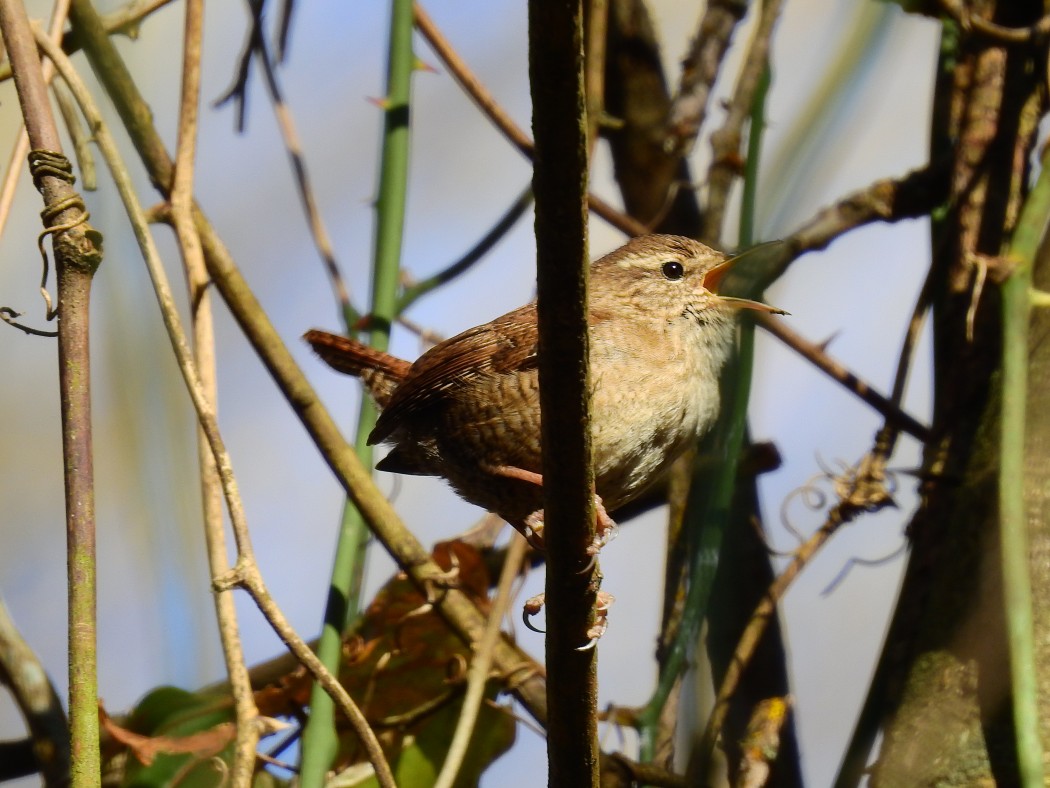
[503, 346]
[381, 372]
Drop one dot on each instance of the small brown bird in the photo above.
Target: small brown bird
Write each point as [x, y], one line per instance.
[468, 409]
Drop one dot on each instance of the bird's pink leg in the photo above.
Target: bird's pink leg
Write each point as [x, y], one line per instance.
[605, 530]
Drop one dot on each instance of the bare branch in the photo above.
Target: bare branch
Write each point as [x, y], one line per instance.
[700, 69]
[726, 141]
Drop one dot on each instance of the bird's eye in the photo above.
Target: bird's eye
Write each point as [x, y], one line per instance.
[673, 270]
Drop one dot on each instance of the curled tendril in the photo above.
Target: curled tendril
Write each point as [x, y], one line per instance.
[812, 497]
[866, 486]
[50, 164]
[8, 315]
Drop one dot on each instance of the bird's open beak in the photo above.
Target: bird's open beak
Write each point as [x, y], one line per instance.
[713, 280]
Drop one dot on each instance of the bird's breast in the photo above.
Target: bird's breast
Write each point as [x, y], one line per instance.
[644, 415]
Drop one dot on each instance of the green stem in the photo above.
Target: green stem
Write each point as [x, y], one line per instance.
[320, 740]
[1017, 588]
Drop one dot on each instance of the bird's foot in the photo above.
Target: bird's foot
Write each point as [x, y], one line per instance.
[532, 530]
[533, 605]
[605, 530]
[601, 620]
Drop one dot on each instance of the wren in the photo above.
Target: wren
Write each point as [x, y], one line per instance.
[468, 409]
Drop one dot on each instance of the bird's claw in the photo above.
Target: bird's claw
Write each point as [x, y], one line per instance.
[533, 605]
[601, 620]
[605, 531]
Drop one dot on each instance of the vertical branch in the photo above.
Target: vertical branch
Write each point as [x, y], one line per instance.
[560, 185]
[204, 355]
[77, 249]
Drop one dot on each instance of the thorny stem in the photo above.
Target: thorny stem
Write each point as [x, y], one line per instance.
[320, 742]
[816, 355]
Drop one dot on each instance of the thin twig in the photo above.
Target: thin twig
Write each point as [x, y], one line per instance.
[21, 146]
[478, 674]
[886, 200]
[470, 83]
[417, 290]
[77, 134]
[246, 575]
[597, 23]
[245, 569]
[284, 27]
[126, 20]
[238, 90]
[816, 354]
[491, 108]
[246, 712]
[293, 145]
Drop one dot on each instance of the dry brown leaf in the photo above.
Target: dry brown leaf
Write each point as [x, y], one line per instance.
[145, 748]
